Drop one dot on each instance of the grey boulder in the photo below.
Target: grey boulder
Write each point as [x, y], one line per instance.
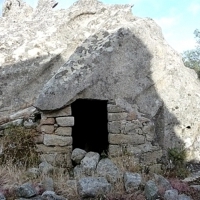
[50, 195]
[151, 190]
[26, 190]
[132, 181]
[171, 195]
[89, 163]
[78, 155]
[106, 168]
[92, 186]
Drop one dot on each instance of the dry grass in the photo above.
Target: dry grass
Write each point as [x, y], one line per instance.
[127, 163]
[10, 178]
[18, 147]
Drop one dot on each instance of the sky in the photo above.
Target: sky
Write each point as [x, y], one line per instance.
[177, 18]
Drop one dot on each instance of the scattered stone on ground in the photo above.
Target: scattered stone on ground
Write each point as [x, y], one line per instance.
[93, 186]
[26, 190]
[151, 190]
[132, 181]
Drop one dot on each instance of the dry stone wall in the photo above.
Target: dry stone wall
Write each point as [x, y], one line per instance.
[55, 139]
[127, 136]
[132, 136]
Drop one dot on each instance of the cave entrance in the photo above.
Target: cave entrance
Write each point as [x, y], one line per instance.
[90, 128]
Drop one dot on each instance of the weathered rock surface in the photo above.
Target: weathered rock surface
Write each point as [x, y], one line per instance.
[183, 197]
[52, 195]
[26, 190]
[91, 186]
[89, 163]
[97, 51]
[106, 168]
[171, 195]
[46, 168]
[78, 155]
[132, 181]
[162, 183]
[151, 190]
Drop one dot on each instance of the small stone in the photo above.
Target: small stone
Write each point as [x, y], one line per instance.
[47, 121]
[171, 195]
[78, 155]
[64, 131]
[49, 129]
[151, 190]
[132, 181]
[89, 163]
[92, 187]
[46, 168]
[50, 195]
[29, 124]
[65, 121]
[183, 197]
[26, 190]
[106, 168]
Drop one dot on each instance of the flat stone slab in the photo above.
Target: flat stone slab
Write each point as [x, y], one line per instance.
[47, 129]
[65, 121]
[59, 113]
[56, 140]
[65, 131]
[126, 139]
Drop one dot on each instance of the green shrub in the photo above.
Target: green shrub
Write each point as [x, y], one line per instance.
[177, 157]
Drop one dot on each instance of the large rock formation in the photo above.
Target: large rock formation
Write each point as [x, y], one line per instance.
[51, 58]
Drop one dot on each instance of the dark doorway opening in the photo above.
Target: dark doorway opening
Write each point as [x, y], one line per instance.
[90, 128]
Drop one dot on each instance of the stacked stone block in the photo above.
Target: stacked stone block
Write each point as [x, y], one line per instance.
[55, 139]
[132, 135]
